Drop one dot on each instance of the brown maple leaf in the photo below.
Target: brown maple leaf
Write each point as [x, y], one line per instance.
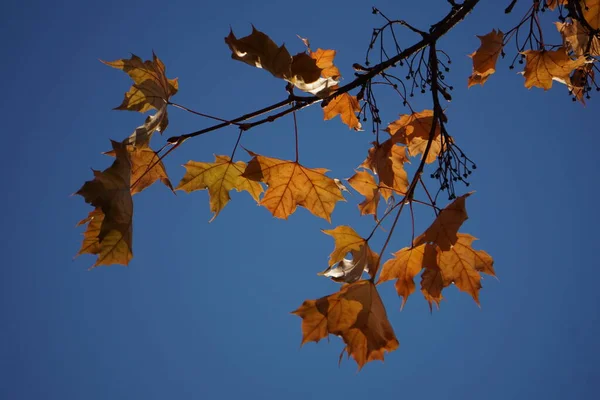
[219, 178]
[363, 258]
[542, 66]
[577, 38]
[151, 87]
[406, 264]
[413, 130]
[579, 79]
[485, 57]
[443, 231]
[461, 265]
[346, 106]
[364, 183]
[259, 50]
[291, 184]
[432, 285]
[109, 192]
[387, 161]
[146, 168]
[357, 314]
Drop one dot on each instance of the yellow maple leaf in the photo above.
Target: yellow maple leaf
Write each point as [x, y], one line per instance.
[542, 66]
[443, 231]
[346, 106]
[109, 192]
[365, 184]
[357, 314]
[485, 57]
[406, 264]
[291, 184]
[151, 87]
[219, 178]
[387, 161]
[363, 258]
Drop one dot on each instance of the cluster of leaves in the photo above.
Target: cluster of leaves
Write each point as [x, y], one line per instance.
[441, 254]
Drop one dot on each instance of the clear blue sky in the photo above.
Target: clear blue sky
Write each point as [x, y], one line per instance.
[203, 309]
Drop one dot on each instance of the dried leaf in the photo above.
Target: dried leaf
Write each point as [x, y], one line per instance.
[485, 57]
[324, 59]
[552, 4]
[577, 38]
[413, 130]
[346, 106]
[387, 161]
[443, 231]
[110, 193]
[291, 184]
[151, 88]
[461, 265]
[542, 66]
[363, 258]
[432, 285]
[406, 264]
[146, 168]
[591, 13]
[219, 178]
[365, 184]
[356, 313]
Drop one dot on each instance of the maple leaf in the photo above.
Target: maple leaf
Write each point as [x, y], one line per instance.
[577, 38]
[443, 231]
[485, 57]
[219, 178]
[259, 50]
[591, 13]
[291, 184]
[151, 87]
[365, 184]
[387, 161]
[413, 130]
[406, 264]
[432, 285]
[324, 60]
[151, 90]
[346, 106]
[110, 193]
[542, 66]
[461, 265]
[91, 244]
[552, 4]
[578, 81]
[146, 168]
[363, 258]
[357, 314]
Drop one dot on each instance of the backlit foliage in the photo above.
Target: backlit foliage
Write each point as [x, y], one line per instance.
[390, 179]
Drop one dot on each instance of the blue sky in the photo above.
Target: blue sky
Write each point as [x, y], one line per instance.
[203, 309]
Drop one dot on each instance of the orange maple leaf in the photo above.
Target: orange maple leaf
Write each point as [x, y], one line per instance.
[219, 178]
[461, 265]
[346, 106]
[406, 264]
[291, 184]
[324, 59]
[552, 4]
[363, 258]
[485, 57]
[146, 168]
[591, 13]
[443, 231]
[542, 66]
[387, 161]
[413, 130]
[110, 193]
[364, 183]
[357, 314]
